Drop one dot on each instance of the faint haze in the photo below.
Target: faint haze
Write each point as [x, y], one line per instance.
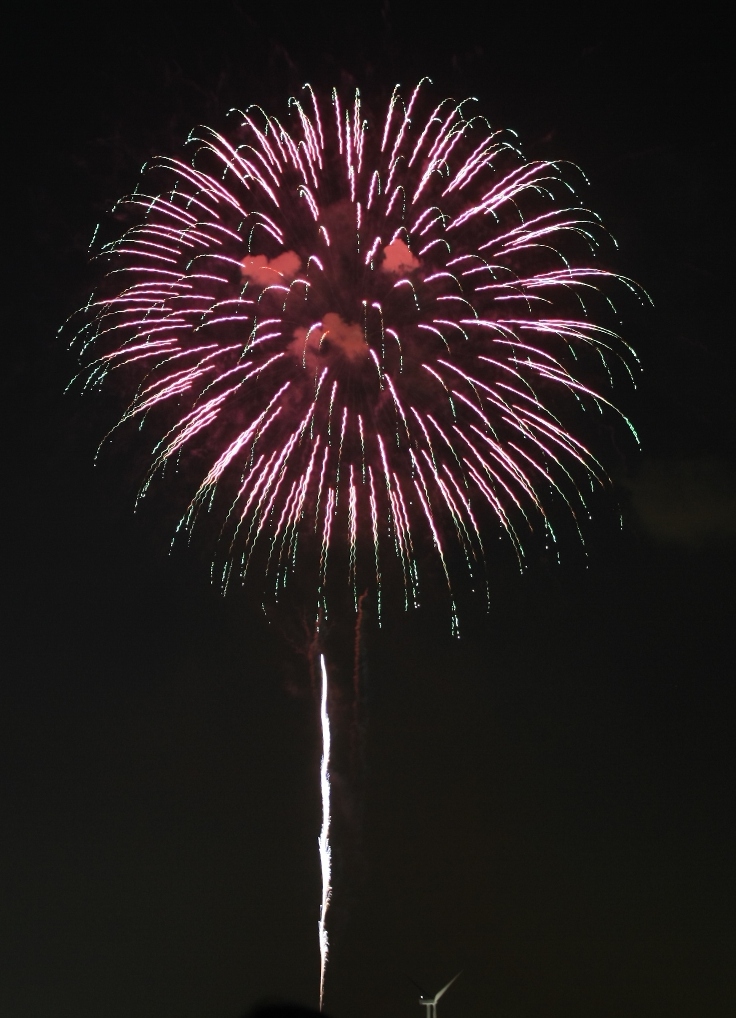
[284, 1010]
[689, 502]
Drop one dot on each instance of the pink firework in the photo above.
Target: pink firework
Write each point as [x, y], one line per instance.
[372, 335]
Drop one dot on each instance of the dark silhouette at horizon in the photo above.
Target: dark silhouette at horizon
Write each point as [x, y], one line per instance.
[283, 1010]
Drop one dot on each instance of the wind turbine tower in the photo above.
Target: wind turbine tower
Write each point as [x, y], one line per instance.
[430, 1003]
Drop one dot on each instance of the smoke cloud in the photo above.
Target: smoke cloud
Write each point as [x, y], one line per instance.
[263, 271]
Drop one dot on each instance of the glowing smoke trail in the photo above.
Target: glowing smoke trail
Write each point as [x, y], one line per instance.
[324, 842]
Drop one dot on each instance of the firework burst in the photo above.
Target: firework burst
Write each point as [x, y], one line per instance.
[373, 334]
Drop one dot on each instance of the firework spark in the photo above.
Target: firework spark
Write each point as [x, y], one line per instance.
[375, 335]
[325, 855]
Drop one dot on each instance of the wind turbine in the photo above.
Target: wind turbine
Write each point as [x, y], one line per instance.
[430, 1003]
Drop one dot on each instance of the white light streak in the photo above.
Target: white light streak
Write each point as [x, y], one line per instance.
[324, 839]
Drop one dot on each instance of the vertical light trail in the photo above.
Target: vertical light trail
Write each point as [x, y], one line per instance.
[324, 836]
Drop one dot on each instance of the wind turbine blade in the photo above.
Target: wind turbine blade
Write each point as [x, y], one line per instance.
[446, 988]
[415, 983]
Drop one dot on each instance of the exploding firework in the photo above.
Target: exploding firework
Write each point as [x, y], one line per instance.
[370, 337]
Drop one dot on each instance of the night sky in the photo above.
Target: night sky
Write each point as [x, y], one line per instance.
[546, 803]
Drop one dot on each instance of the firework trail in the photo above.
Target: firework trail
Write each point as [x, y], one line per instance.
[324, 840]
[358, 694]
[369, 336]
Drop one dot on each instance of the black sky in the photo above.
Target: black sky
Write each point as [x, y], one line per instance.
[547, 803]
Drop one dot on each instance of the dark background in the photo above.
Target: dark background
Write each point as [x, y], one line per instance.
[547, 803]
